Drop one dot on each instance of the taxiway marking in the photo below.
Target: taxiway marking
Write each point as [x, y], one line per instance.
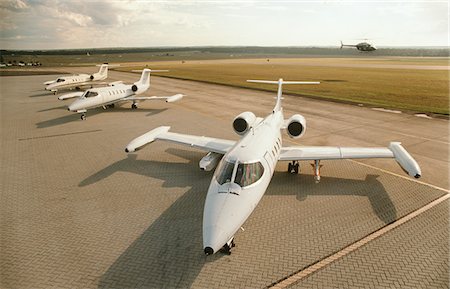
[296, 277]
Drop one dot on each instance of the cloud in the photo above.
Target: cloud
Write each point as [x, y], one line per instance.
[47, 24]
[13, 5]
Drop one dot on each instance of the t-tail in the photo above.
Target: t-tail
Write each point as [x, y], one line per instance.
[103, 70]
[145, 76]
[280, 83]
[144, 82]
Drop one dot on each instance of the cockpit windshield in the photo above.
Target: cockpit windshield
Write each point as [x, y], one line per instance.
[247, 174]
[224, 172]
[60, 80]
[89, 94]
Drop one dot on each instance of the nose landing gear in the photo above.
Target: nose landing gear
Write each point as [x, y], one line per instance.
[293, 167]
[134, 106]
[227, 247]
[83, 116]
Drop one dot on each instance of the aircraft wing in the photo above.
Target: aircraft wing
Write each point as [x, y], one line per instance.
[332, 153]
[81, 85]
[210, 144]
[172, 98]
[394, 150]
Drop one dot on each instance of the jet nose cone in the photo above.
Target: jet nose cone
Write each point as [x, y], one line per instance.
[208, 251]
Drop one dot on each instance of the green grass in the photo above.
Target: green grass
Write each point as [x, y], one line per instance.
[405, 89]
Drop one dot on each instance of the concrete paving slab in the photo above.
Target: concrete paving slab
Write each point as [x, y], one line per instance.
[76, 211]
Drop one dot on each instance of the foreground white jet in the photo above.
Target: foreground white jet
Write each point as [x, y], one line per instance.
[76, 81]
[245, 167]
[115, 92]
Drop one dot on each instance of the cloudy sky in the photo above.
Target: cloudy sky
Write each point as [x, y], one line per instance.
[53, 24]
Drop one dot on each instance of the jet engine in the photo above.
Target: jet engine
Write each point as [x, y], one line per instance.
[296, 126]
[243, 122]
[91, 77]
[139, 88]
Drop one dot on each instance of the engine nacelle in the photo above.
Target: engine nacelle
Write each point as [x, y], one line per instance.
[134, 88]
[91, 77]
[243, 122]
[296, 126]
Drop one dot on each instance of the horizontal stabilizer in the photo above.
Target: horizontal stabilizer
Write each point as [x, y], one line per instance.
[280, 83]
[109, 65]
[151, 70]
[145, 139]
[283, 82]
[405, 160]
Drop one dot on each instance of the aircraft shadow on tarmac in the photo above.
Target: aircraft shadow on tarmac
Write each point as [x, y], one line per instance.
[44, 93]
[62, 107]
[370, 187]
[71, 116]
[169, 253]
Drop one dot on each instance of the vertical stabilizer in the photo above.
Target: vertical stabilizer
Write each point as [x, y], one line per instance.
[103, 70]
[145, 77]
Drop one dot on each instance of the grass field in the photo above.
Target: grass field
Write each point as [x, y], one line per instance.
[411, 89]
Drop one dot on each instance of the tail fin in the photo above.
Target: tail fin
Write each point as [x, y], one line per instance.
[145, 76]
[103, 71]
[280, 83]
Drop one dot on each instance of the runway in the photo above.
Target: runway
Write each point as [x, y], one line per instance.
[77, 211]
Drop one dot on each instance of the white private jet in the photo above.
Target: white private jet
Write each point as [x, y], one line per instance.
[115, 92]
[77, 81]
[245, 167]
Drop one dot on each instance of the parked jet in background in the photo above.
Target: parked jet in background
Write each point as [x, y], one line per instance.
[77, 81]
[245, 167]
[114, 93]
[363, 46]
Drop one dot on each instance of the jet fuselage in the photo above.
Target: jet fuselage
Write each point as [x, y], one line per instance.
[101, 96]
[240, 181]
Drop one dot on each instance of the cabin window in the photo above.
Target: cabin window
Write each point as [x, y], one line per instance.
[224, 172]
[248, 173]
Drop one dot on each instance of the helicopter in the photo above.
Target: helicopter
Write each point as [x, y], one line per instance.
[362, 46]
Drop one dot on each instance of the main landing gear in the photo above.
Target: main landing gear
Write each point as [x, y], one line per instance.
[83, 116]
[227, 247]
[293, 167]
[134, 106]
[316, 168]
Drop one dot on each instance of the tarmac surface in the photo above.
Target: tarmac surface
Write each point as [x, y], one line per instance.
[77, 211]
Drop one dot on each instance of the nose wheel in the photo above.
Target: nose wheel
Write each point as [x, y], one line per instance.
[134, 106]
[83, 116]
[293, 167]
[227, 247]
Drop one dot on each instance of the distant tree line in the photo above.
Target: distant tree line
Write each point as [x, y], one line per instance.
[248, 50]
